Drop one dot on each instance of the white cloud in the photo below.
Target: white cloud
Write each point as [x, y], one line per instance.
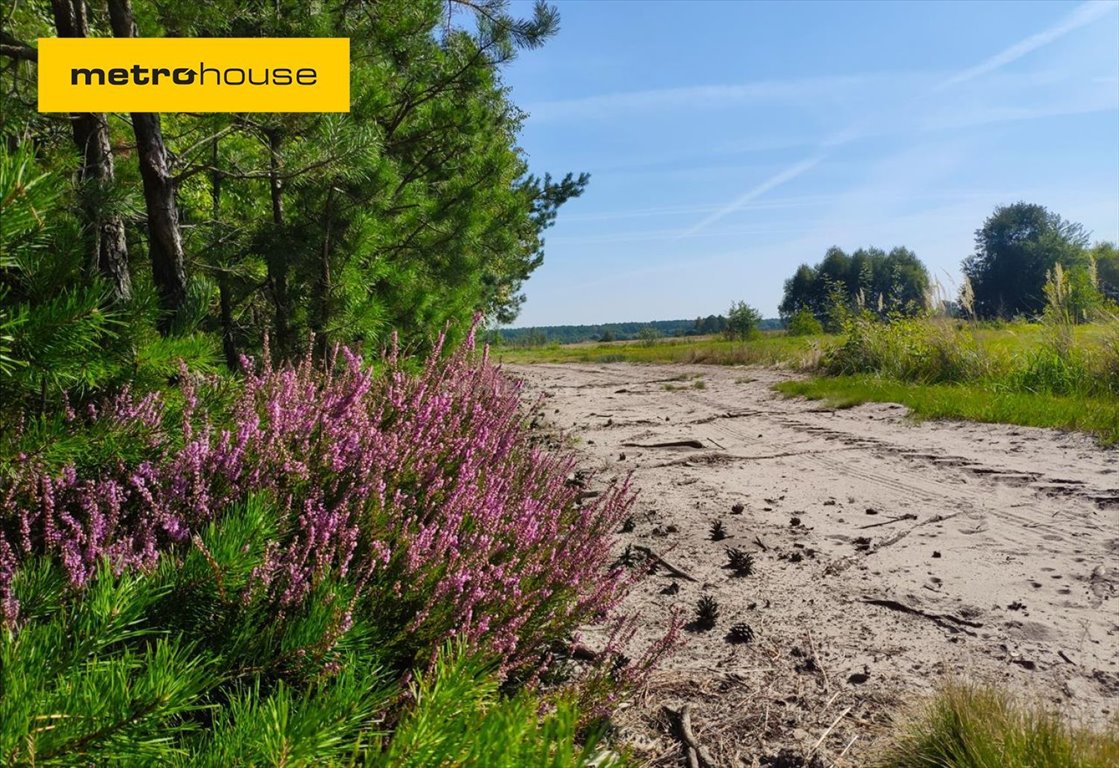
[804, 91]
[659, 235]
[993, 115]
[803, 201]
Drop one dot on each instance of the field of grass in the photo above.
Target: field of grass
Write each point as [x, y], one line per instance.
[973, 402]
[769, 348]
[774, 347]
[1009, 339]
[1015, 373]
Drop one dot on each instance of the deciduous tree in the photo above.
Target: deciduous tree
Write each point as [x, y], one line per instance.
[1015, 249]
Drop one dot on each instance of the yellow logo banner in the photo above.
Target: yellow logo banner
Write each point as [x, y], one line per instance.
[194, 74]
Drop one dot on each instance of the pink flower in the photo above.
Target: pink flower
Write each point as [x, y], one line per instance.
[416, 487]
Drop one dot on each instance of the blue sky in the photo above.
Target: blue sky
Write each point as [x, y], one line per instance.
[729, 142]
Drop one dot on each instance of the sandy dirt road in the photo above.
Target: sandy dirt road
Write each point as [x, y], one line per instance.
[890, 555]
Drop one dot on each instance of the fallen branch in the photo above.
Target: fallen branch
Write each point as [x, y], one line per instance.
[844, 563]
[651, 555]
[698, 755]
[946, 620]
[902, 534]
[667, 444]
[899, 518]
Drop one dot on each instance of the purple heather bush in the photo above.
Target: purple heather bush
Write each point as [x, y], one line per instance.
[421, 488]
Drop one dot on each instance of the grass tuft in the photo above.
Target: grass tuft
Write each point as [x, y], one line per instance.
[981, 727]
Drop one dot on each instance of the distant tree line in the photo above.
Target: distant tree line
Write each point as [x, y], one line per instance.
[1106, 257]
[632, 331]
[894, 282]
[1016, 251]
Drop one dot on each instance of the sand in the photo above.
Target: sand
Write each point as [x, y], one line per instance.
[890, 555]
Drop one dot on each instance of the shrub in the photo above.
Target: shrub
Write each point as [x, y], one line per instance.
[265, 563]
[938, 351]
[803, 323]
[920, 350]
[865, 349]
[742, 321]
[950, 354]
[648, 335]
[178, 666]
[422, 491]
[1050, 370]
[186, 658]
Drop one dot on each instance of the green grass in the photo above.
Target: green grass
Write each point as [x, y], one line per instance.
[973, 727]
[1002, 342]
[459, 718]
[974, 402]
[1010, 339]
[769, 348]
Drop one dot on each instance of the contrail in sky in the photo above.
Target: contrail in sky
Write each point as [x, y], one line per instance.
[1085, 14]
[773, 181]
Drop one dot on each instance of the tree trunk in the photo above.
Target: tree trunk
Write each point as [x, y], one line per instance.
[228, 345]
[109, 247]
[225, 299]
[277, 258]
[165, 242]
[165, 245]
[320, 306]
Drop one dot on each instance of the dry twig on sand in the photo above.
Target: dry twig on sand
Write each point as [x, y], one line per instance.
[899, 518]
[845, 749]
[830, 728]
[698, 755]
[651, 555]
[946, 620]
[819, 662]
[667, 444]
